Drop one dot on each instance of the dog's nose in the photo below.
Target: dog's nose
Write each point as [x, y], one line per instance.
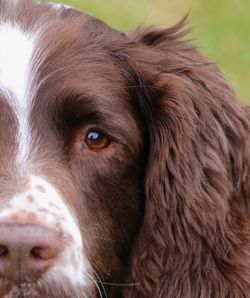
[26, 251]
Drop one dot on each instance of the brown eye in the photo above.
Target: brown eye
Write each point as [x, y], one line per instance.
[96, 140]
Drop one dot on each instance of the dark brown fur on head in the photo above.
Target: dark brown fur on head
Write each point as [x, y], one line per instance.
[166, 210]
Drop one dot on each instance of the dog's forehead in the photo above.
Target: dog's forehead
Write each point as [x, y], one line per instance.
[29, 34]
[29, 29]
[16, 49]
[19, 33]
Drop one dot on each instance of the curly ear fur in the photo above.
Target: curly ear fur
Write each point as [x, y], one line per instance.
[195, 239]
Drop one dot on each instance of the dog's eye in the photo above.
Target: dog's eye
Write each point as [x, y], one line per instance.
[96, 140]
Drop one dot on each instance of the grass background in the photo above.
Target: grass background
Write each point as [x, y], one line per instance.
[221, 28]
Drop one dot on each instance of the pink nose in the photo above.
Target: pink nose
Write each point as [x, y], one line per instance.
[26, 251]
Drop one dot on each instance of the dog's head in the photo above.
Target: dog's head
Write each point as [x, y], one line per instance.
[114, 156]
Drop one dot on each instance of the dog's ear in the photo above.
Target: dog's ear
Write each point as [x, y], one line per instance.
[197, 164]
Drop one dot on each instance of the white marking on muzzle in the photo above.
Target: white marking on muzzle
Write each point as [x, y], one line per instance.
[41, 204]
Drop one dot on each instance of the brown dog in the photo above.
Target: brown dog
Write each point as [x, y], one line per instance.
[124, 163]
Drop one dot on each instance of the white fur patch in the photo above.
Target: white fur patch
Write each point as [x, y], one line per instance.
[58, 6]
[16, 50]
[41, 204]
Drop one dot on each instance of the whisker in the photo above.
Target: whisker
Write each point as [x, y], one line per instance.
[120, 284]
[96, 283]
[99, 281]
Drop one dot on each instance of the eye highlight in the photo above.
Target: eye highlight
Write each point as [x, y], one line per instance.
[96, 140]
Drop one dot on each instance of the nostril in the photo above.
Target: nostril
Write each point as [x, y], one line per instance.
[36, 252]
[27, 251]
[44, 253]
[3, 251]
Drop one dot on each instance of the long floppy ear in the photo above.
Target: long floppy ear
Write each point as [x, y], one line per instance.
[195, 239]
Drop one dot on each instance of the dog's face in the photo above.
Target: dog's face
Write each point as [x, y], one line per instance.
[124, 162]
[71, 154]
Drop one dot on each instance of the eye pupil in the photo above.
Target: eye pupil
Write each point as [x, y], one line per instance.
[96, 140]
[94, 136]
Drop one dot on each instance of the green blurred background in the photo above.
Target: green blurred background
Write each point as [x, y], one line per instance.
[221, 28]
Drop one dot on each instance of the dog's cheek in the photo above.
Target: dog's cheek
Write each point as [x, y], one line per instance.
[111, 210]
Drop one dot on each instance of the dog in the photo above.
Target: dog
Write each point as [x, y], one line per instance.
[124, 162]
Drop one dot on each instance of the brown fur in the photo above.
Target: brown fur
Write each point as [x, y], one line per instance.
[195, 239]
[166, 207]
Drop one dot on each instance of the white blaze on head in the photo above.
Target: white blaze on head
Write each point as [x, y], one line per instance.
[16, 50]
